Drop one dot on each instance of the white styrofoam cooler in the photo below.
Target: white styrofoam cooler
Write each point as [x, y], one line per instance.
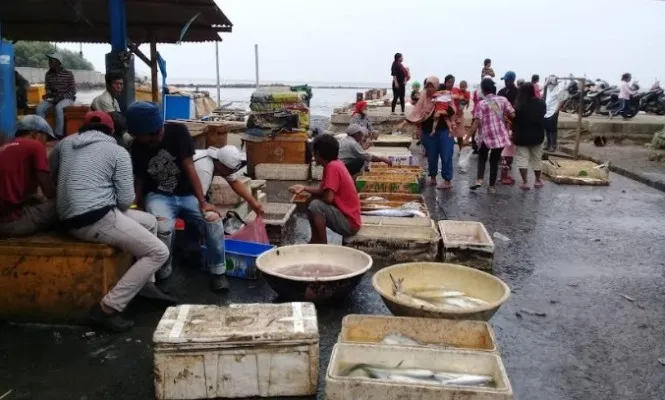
[244, 350]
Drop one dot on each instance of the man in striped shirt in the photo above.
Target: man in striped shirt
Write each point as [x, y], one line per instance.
[60, 92]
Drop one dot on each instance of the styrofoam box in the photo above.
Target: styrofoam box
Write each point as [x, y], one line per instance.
[282, 172]
[339, 387]
[221, 192]
[244, 350]
[459, 335]
[467, 243]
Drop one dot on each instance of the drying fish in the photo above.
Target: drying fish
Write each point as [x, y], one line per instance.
[397, 339]
[395, 212]
[463, 302]
[375, 198]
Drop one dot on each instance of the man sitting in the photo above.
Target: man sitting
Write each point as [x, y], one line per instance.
[108, 100]
[95, 191]
[24, 167]
[162, 156]
[352, 153]
[60, 92]
[336, 204]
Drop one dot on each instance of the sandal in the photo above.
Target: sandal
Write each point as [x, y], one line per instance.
[445, 185]
[538, 184]
[476, 186]
[525, 186]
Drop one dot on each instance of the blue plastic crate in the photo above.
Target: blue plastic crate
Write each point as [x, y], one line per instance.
[241, 257]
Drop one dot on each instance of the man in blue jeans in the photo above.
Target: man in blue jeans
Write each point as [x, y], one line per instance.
[168, 186]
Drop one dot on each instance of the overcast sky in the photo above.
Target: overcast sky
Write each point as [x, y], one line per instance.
[355, 40]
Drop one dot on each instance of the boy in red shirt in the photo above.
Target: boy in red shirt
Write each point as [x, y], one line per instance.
[336, 204]
[23, 168]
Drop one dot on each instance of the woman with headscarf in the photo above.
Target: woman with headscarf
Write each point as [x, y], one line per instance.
[360, 118]
[400, 76]
[435, 133]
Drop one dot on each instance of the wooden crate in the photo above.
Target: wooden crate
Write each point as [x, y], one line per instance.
[467, 243]
[379, 169]
[285, 148]
[575, 172]
[390, 184]
[55, 278]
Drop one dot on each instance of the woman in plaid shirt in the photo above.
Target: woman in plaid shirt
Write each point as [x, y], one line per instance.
[489, 125]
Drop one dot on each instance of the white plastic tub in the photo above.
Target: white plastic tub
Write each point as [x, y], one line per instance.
[246, 350]
[467, 243]
[339, 387]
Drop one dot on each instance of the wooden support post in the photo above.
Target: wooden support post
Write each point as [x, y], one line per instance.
[580, 111]
[153, 70]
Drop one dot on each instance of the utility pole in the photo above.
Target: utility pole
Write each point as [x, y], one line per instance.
[219, 95]
[256, 63]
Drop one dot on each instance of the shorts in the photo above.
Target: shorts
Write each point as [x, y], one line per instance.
[529, 156]
[335, 220]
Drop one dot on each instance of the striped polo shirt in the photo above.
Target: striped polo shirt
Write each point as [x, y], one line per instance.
[60, 85]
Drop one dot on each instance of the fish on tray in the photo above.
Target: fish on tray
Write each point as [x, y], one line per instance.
[435, 296]
[376, 199]
[395, 212]
[417, 376]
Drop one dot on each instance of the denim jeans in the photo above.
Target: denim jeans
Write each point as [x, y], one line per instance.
[439, 146]
[166, 208]
[44, 106]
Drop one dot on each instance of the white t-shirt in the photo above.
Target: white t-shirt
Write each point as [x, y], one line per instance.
[205, 169]
[555, 95]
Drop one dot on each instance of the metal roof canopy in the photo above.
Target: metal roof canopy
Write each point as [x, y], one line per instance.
[87, 21]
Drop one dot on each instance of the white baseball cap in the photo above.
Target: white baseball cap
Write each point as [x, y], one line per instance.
[228, 155]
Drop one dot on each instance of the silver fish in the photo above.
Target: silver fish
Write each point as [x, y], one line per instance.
[393, 212]
[406, 372]
[412, 205]
[448, 378]
[433, 293]
[375, 198]
[397, 339]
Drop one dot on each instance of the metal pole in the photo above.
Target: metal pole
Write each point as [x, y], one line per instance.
[256, 63]
[219, 94]
[580, 111]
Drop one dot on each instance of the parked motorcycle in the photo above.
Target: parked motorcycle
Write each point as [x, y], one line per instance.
[600, 99]
[571, 104]
[653, 101]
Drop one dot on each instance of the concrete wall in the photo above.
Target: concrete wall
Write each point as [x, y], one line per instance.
[36, 75]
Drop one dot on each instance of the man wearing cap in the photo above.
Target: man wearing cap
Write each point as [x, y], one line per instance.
[510, 90]
[95, 192]
[352, 153]
[24, 168]
[167, 184]
[60, 92]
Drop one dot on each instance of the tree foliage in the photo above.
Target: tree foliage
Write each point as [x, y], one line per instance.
[33, 54]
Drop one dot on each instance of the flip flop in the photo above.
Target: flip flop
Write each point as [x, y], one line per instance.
[475, 186]
[525, 187]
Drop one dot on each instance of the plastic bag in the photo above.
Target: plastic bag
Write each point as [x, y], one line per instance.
[254, 231]
[464, 159]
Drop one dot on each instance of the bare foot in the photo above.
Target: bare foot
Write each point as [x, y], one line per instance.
[445, 185]
[525, 186]
[432, 182]
[491, 190]
[538, 184]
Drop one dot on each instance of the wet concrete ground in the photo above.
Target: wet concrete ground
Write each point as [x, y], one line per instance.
[573, 252]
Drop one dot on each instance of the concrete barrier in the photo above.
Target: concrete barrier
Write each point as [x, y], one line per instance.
[36, 75]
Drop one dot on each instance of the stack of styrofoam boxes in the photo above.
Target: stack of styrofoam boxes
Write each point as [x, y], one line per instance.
[467, 347]
[244, 350]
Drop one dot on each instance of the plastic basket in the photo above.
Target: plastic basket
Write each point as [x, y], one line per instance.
[240, 257]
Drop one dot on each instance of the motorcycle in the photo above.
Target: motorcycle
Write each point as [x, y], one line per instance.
[600, 99]
[571, 104]
[653, 101]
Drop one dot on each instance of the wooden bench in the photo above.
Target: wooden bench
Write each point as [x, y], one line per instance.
[55, 278]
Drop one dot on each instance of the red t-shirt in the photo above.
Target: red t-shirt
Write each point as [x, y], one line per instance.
[337, 178]
[20, 160]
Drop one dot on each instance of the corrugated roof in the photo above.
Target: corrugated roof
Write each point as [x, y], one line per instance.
[87, 21]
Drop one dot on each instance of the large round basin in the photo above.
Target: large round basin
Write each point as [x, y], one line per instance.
[280, 266]
[451, 276]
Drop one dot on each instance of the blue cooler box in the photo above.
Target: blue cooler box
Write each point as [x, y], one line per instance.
[240, 257]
